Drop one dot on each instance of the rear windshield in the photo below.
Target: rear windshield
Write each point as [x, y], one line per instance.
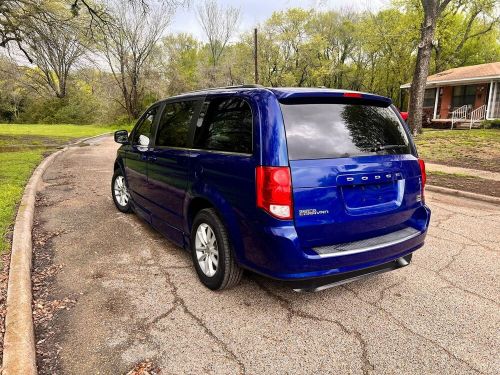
[320, 131]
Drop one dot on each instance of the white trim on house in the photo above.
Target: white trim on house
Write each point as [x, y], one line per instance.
[490, 101]
[436, 103]
[462, 81]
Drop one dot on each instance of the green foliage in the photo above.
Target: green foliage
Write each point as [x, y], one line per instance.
[367, 51]
[15, 168]
[79, 107]
[17, 160]
[491, 124]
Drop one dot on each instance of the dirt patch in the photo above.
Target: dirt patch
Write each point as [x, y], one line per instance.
[15, 143]
[47, 305]
[4, 277]
[470, 161]
[466, 183]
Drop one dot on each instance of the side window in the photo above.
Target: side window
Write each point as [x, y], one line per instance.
[145, 127]
[174, 124]
[225, 125]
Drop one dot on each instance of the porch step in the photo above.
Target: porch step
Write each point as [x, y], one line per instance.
[466, 125]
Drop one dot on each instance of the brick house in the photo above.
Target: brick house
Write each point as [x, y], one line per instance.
[465, 95]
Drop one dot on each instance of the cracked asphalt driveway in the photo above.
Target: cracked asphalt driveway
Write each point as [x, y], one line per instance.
[138, 297]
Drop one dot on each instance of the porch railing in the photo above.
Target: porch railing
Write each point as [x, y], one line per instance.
[459, 114]
[477, 115]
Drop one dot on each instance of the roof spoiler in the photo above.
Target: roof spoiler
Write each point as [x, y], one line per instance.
[342, 97]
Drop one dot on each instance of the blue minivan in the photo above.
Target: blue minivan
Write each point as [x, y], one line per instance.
[314, 187]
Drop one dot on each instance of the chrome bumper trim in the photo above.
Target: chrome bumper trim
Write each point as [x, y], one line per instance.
[369, 244]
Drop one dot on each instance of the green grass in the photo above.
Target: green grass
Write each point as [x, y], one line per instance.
[57, 131]
[21, 149]
[446, 174]
[476, 148]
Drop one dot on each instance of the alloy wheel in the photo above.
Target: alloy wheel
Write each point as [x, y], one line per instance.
[207, 252]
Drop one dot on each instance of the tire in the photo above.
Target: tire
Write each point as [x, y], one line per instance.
[226, 273]
[122, 202]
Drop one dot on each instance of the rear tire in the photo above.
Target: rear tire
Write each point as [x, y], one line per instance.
[120, 192]
[211, 251]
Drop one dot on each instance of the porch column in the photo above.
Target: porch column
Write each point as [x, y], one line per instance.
[436, 103]
[490, 101]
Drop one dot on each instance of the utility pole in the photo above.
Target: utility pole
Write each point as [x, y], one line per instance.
[255, 56]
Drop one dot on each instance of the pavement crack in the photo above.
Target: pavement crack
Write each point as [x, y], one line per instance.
[179, 302]
[292, 312]
[456, 286]
[162, 316]
[400, 324]
[386, 289]
[452, 260]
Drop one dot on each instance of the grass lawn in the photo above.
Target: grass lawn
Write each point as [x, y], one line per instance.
[476, 148]
[22, 147]
[464, 182]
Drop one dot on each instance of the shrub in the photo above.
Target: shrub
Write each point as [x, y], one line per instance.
[491, 124]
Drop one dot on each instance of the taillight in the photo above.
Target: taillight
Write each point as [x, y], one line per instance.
[421, 163]
[274, 191]
[352, 95]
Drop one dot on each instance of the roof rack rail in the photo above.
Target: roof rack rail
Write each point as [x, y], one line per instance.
[249, 86]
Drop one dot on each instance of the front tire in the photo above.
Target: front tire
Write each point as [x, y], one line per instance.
[211, 252]
[120, 192]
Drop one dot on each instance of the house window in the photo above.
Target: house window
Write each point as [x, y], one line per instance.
[463, 95]
[429, 97]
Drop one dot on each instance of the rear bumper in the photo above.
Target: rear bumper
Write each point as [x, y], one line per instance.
[317, 284]
[279, 255]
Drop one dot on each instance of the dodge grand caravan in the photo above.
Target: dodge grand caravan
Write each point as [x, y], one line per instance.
[314, 187]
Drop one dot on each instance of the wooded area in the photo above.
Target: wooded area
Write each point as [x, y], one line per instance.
[105, 62]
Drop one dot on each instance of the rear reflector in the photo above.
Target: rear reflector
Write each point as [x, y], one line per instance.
[421, 163]
[274, 191]
[352, 95]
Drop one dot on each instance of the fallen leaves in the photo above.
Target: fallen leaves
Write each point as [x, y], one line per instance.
[144, 368]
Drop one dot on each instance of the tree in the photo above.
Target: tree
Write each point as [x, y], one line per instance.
[463, 31]
[55, 48]
[127, 44]
[219, 24]
[17, 16]
[432, 11]
[179, 58]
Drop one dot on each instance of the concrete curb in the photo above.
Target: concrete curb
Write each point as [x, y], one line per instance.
[19, 356]
[463, 194]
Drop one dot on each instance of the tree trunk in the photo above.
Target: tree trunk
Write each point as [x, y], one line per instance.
[422, 66]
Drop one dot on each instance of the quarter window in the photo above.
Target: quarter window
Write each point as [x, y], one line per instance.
[225, 125]
[145, 126]
[174, 124]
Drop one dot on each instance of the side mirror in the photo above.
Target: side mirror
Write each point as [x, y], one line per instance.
[121, 136]
[143, 140]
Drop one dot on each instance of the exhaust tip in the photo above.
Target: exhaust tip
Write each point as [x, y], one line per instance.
[402, 262]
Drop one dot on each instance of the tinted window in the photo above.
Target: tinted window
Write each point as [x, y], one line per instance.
[145, 125]
[225, 125]
[317, 131]
[174, 124]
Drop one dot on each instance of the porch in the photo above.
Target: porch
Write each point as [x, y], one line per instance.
[463, 105]
[462, 97]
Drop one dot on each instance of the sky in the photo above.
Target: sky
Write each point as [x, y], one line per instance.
[257, 11]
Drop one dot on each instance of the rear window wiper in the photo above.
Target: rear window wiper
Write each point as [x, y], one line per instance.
[386, 147]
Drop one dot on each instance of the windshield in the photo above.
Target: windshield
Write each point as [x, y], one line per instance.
[320, 131]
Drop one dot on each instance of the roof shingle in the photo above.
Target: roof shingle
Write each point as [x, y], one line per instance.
[489, 70]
